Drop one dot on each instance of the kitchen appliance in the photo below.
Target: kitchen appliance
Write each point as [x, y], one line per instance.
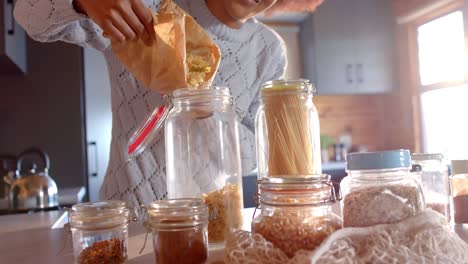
[35, 189]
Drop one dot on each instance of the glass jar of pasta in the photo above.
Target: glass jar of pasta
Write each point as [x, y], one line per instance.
[100, 231]
[287, 130]
[203, 156]
[296, 213]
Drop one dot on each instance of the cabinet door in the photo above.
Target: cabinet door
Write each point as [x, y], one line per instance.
[12, 41]
[330, 29]
[374, 31]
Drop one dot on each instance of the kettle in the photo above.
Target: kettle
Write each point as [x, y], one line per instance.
[35, 190]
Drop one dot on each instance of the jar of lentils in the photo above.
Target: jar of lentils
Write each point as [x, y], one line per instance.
[180, 230]
[100, 231]
[379, 189]
[296, 213]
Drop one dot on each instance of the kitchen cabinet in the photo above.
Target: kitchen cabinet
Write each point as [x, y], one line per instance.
[348, 47]
[12, 41]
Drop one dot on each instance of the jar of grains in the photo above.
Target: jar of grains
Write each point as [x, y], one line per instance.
[100, 232]
[180, 231]
[434, 181]
[379, 189]
[459, 185]
[296, 213]
[287, 130]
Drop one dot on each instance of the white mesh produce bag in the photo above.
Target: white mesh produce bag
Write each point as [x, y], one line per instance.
[424, 238]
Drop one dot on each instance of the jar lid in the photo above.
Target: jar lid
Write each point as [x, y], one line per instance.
[99, 215]
[427, 156]
[459, 167]
[306, 190]
[177, 213]
[287, 85]
[381, 160]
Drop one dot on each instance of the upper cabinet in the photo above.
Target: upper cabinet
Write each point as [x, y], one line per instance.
[348, 47]
[12, 41]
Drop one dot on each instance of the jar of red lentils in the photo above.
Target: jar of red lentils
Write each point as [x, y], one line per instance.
[100, 231]
[296, 213]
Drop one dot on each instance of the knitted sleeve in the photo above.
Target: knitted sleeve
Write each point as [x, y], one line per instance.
[57, 20]
[279, 61]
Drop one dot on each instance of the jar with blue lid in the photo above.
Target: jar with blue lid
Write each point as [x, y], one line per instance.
[379, 189]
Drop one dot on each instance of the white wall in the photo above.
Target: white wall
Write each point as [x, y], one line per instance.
[290, 35]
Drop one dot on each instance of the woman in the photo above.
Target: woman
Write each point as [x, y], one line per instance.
[251, 55]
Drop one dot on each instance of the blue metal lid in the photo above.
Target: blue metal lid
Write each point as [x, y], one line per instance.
[392, 159]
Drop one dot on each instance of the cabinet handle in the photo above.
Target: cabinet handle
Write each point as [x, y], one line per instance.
[94, 143]
[11, 31]
[359, 73]
[349, 74]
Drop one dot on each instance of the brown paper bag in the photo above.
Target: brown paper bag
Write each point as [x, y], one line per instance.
[182, 56]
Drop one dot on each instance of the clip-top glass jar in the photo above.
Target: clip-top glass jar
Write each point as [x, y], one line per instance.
[379, 189]
[296, 213]
[100, 231]
[180, 231]
[203, 156]
[434, 181]
[287, 130]
[459, 188]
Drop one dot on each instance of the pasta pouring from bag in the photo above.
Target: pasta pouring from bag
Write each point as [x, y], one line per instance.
[182, 55]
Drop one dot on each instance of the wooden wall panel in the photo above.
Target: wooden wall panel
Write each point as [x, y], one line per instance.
[361, 113]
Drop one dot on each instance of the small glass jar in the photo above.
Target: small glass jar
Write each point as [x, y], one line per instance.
[180, 231]
[296, 213]
[100, 231]
[287, 130]
[434, 181]
[203, 156]
[379, 189]
[459, 189]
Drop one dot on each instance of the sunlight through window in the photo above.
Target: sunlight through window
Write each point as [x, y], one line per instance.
[441, 45]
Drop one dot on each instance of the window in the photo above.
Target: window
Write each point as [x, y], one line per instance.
[443, 85]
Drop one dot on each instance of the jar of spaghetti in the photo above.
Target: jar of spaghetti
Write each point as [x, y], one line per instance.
[180, 231]
[379, 189]
[296, 213]
[287, 130]
[203, 156]
[100, 231]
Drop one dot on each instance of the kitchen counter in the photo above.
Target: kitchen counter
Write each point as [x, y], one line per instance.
[31, 240]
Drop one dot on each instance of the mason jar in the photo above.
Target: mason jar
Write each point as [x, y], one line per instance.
[434, 181]
[459, 189]
[296, 213]
[287, 130]
[203, 156]
[100, 231]
[180, 231]
[379, 189]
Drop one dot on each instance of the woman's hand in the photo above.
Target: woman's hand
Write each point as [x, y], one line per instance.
[119, 19]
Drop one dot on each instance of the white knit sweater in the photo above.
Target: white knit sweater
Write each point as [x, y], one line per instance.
[250, 56]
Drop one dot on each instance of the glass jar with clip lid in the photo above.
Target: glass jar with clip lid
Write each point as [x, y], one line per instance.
[296, 213]
[287, 130]
[180, 230]
[201, 131]
[100, 231]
